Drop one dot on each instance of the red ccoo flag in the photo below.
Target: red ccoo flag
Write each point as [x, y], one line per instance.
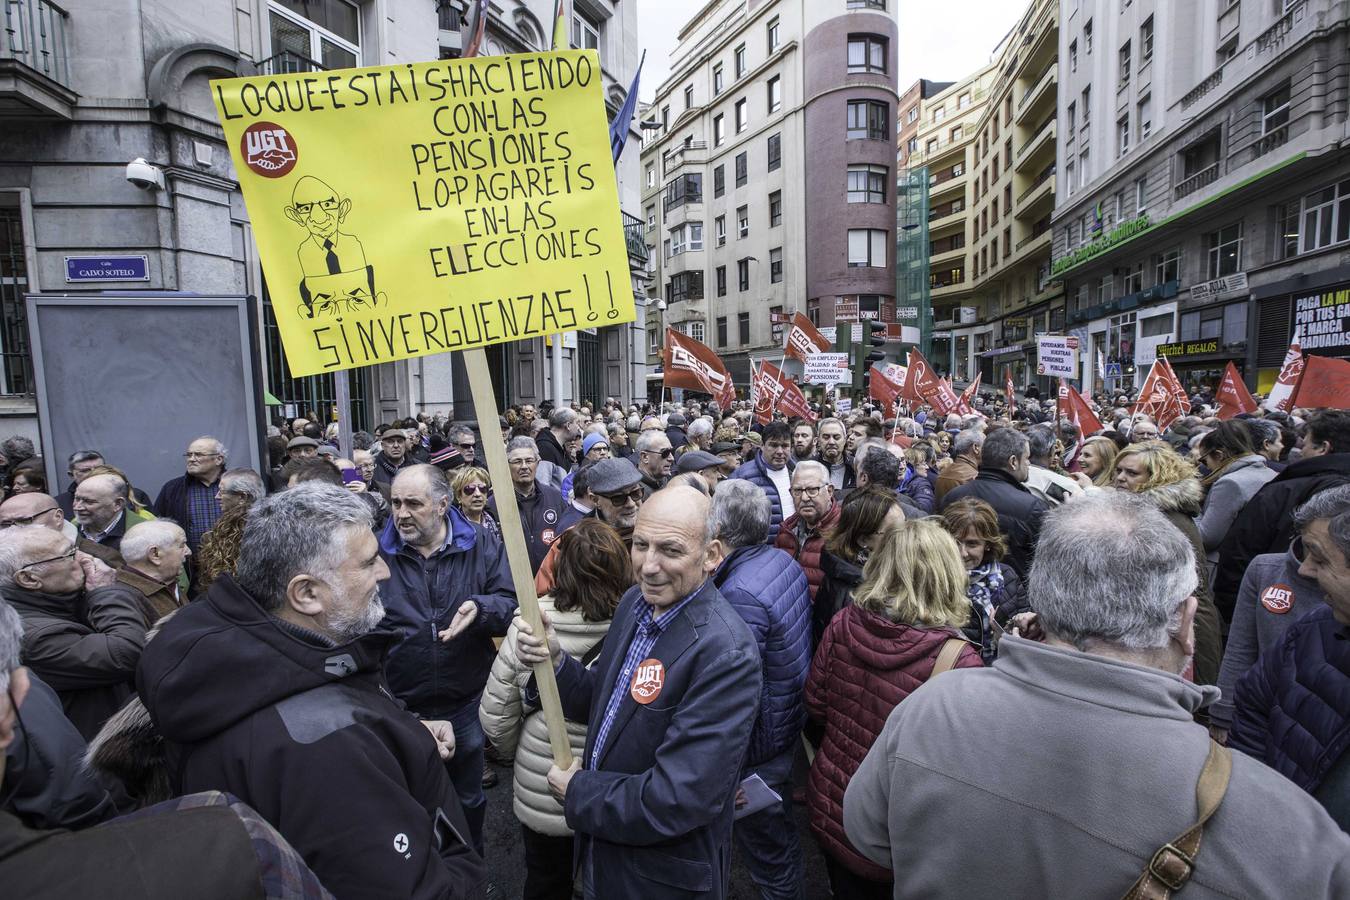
[882, 389]
[1073, 407]
[925, 387]
[691, 365]
[1233, 396]
[1281, 396]
[1325, 384]
[774, 391]
[804, 339]
[1158, 395]
[969, 393]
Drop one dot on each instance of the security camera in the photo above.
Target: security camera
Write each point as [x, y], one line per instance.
[145, 176]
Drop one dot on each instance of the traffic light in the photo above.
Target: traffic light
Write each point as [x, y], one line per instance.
[868, 352]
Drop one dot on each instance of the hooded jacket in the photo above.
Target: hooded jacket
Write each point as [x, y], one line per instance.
[1266, 524]
[1273, 597]
[420, 598]
[864, 667]
[807, 553]
[1227, 495]
[1180, 502]
[303, 730]
[1019, 512]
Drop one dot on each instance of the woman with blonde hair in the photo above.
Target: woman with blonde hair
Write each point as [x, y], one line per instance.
[1162, 477]
[470, 487]
[1097, 462]
[902, 628]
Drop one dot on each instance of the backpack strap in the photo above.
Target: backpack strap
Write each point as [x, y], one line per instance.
[1174, 862]
[946, 657]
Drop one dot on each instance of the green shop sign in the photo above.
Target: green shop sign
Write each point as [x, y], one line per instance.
[1121, 232]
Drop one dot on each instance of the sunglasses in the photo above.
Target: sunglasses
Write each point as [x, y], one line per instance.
[472, 489]
[635, 495]
[25, 520]
[667, 453]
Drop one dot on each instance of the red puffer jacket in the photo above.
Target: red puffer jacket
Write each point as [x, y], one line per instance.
[865, 665]
[808, 556]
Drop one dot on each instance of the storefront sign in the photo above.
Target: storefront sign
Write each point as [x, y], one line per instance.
[907, 312]
[846, 309]
[969, 315]
[1188, 348]
[107, 268]
[1322, 320]
[1234, 285]
[1057, 355]
[1119, 234]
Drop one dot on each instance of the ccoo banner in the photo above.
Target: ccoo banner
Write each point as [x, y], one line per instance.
[407, 210]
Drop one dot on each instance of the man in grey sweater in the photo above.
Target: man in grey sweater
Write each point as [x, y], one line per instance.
[1068, 764]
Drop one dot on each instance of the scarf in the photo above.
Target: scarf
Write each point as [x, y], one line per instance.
[985, 590]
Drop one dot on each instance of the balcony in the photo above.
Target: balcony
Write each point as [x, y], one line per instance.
[690, 152]
[1031, 151]
[1269, 141]
[450, 25]
[1299, 20]
[941, 185]
[1035, 192]
[1040, 233]
[945, 219]
[939, 290]
[34, 61]
[633, 228]
[1034, 102]
[1203, 178]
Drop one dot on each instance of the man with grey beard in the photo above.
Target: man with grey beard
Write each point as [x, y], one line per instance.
[271, 689]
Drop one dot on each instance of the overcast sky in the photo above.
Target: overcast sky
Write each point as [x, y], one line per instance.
[933, 43]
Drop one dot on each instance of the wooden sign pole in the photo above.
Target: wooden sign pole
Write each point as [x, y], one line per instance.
[485, 407]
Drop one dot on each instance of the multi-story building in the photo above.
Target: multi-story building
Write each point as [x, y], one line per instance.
[1203, 198]
[1012, 190]
[910, 120]
[768, 179]
[945, 155]
[85, 90]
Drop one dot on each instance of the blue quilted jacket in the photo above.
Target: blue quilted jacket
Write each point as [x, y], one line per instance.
[1292, 709]
[754, 471]
[768, 589]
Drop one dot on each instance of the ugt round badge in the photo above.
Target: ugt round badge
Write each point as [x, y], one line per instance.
[1278, 599]
[648, 680]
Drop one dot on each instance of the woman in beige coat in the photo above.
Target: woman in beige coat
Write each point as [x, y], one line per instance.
[592, 573]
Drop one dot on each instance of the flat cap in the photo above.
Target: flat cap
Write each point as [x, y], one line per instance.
[609, 476]
[697, 461]
[301, 441]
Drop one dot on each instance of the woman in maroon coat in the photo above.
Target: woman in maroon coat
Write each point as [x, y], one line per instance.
[874, 654]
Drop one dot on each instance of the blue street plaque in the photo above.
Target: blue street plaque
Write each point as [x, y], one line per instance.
[107, 268]
[1113, 370]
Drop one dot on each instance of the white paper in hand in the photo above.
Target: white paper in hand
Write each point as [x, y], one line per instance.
[758, 795]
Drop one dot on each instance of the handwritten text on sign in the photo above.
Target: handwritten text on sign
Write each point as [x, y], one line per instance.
[407, 210]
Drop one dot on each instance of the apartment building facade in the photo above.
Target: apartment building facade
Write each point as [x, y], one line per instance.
[768, 177]
[1203, 200]
[85, 90]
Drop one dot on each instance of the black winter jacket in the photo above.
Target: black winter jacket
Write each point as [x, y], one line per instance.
[305, 732]
[541, 515]
[1019, 512]
[552, 451]
[1266, 523]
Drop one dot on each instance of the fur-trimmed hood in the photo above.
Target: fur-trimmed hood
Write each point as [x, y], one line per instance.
[1185, 496]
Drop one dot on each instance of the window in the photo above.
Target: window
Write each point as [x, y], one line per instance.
[665, 118]
[719, 181]
[1071, 117]
[722, 320]
[775, 265]
[1326, 217]
[743, 281]
[1287, 216]
[775, 151]
[1167, 266]
[1087, 37]
[720, 229]
[1073, 56]
[913, 145]
[686, 286]
[1146, 41]
[868, 119]
[327, 33]
[1141, 195]
[722, 286]
[743, 323]
[867, 184]
[775, 86]
[585, 32]
[742, 117]
[1275, 109]
[1144, 118]
[866, 247]
[1125, 63]
[684, 189]
[932, 145]
[772, 34]
[939, 113]
[956, 134]
[742, 222]
[1226, 324]
[1134, 279]
[1123, 135]
[912, 115]
[738, 60]
[1224, 251]
[695, 331]
[775, 209]
[866, 53]
[653, 341]
[1087, 104]
[718, 80]
[688, 96]
[651, 217]
[1155, 326]
[688, 236]
[867, 4]
[1227, 51]
[1083, 168]
[651, 176]
[719, 130]
[666, 245]
[1070, 181]
[742, 168]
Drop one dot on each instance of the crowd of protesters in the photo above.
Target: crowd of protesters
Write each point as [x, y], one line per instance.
[295, 681]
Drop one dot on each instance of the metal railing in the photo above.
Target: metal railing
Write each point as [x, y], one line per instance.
[1202, 88]
[16, 361]
[1036, 86]
[1036, 136]
[35, 35]
[1046, 175]
[287, 63]
[632, 235]
[1205, 176]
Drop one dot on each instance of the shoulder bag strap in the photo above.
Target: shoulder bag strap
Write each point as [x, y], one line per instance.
[946, 657]
[1174, 862]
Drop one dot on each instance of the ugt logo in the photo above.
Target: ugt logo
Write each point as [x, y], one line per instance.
[269, 150]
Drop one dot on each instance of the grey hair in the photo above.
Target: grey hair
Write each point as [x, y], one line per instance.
[615, 427]
[1333, 505]
[299, 531]
[1002, 444]
[141, 538]
[11, 642]
[16, 548]
[881, 467]
[740, 514]
[220, 448]
[967, 440]
[82, 456]
[1129, 595]
[831, 420]
[699, 427]
[120, 488]
[520, 442]
[649, 439]
[864, 447]
[1263, 431]
[438, 485]
[1041, 441]
[245, 481]
[811, 465]
[458, 430]
[562, 417]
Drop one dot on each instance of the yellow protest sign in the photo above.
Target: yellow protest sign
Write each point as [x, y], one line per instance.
[406, 210]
